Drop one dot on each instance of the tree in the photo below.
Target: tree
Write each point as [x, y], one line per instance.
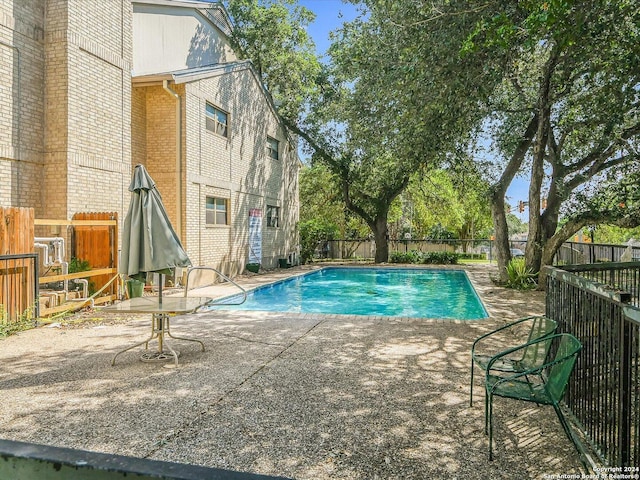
[273, 35]
[515, 225]
[312, 234]
[612, 234]
[397, 105]
[453, 200]
[267, 32]
[568, 111]
[394, 101]
[321, 201]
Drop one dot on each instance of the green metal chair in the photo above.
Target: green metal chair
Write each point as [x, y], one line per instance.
[543, 385]
[530, 357]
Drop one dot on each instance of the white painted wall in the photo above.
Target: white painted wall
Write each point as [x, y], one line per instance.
[169, 38]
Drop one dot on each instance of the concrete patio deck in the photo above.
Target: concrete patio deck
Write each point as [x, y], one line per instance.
[304, 396]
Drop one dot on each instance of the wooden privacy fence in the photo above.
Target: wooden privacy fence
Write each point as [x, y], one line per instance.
[18, 265]
[97, 243]
[91, 237]
[18, 287]
[94, 239]
[16, 230]
[595, 303]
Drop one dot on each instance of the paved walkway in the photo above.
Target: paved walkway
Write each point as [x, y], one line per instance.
[300, 396]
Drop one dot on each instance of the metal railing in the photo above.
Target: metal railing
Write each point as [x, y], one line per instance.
[623, 277]
[572, 253]
[221, 275]
[19, 287]
[604, 391]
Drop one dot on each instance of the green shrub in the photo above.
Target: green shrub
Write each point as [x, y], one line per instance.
[440, 258]
[78, 265]
[519, 276]
[312, 234]
[414, 256]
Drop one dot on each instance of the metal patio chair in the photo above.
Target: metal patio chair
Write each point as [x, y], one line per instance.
[522, 331]
[543, 385]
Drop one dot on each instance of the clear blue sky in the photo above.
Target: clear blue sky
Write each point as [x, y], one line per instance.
[330, 15]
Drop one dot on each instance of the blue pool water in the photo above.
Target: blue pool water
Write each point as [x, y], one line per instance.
[393, 292]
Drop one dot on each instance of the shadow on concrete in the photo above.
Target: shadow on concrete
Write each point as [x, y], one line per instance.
[301, 396]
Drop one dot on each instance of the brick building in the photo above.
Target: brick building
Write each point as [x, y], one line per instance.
[90, 89]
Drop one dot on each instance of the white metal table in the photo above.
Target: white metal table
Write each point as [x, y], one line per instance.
[161, 309]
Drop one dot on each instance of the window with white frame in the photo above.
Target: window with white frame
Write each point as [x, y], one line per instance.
[273, 216]
[273, 147]
[216, 120]
[217, 211]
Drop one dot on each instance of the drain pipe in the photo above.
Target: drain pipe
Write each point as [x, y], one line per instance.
[165, 85]
[58, 253]
[85, 290]
[45, 256]
[58, 247]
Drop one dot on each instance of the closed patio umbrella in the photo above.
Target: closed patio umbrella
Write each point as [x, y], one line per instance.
[149, 243]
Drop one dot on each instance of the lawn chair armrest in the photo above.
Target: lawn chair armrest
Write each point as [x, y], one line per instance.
[504, 327]
[510, 351]
[530, 371]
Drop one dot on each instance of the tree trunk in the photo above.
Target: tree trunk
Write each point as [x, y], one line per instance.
[499, 190]
[501, 231]
[535, 240]
[551, 247]
[381, 237]
[548, 252]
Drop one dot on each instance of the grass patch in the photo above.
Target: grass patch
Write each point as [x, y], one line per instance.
[11, 328]
[22, 323]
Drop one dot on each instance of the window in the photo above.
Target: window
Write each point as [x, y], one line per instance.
[273, 146]
[217, 209]
[216, 120]
[273, 215]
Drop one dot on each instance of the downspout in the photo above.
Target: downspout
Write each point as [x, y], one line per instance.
[165, 85]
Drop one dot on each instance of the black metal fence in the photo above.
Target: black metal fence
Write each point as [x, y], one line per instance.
[623, 278]
[604, 392]
[366, 248]
[570, 253]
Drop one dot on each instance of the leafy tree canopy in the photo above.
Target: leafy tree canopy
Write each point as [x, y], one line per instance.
[273, 35]
[566, 113]
[321, 201]
[453, 200]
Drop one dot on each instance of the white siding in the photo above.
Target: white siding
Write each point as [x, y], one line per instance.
[175, 38]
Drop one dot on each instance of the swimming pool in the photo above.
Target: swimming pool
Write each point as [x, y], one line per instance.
[391, 292]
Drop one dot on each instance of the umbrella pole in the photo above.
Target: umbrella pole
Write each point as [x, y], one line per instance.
[161, 317]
